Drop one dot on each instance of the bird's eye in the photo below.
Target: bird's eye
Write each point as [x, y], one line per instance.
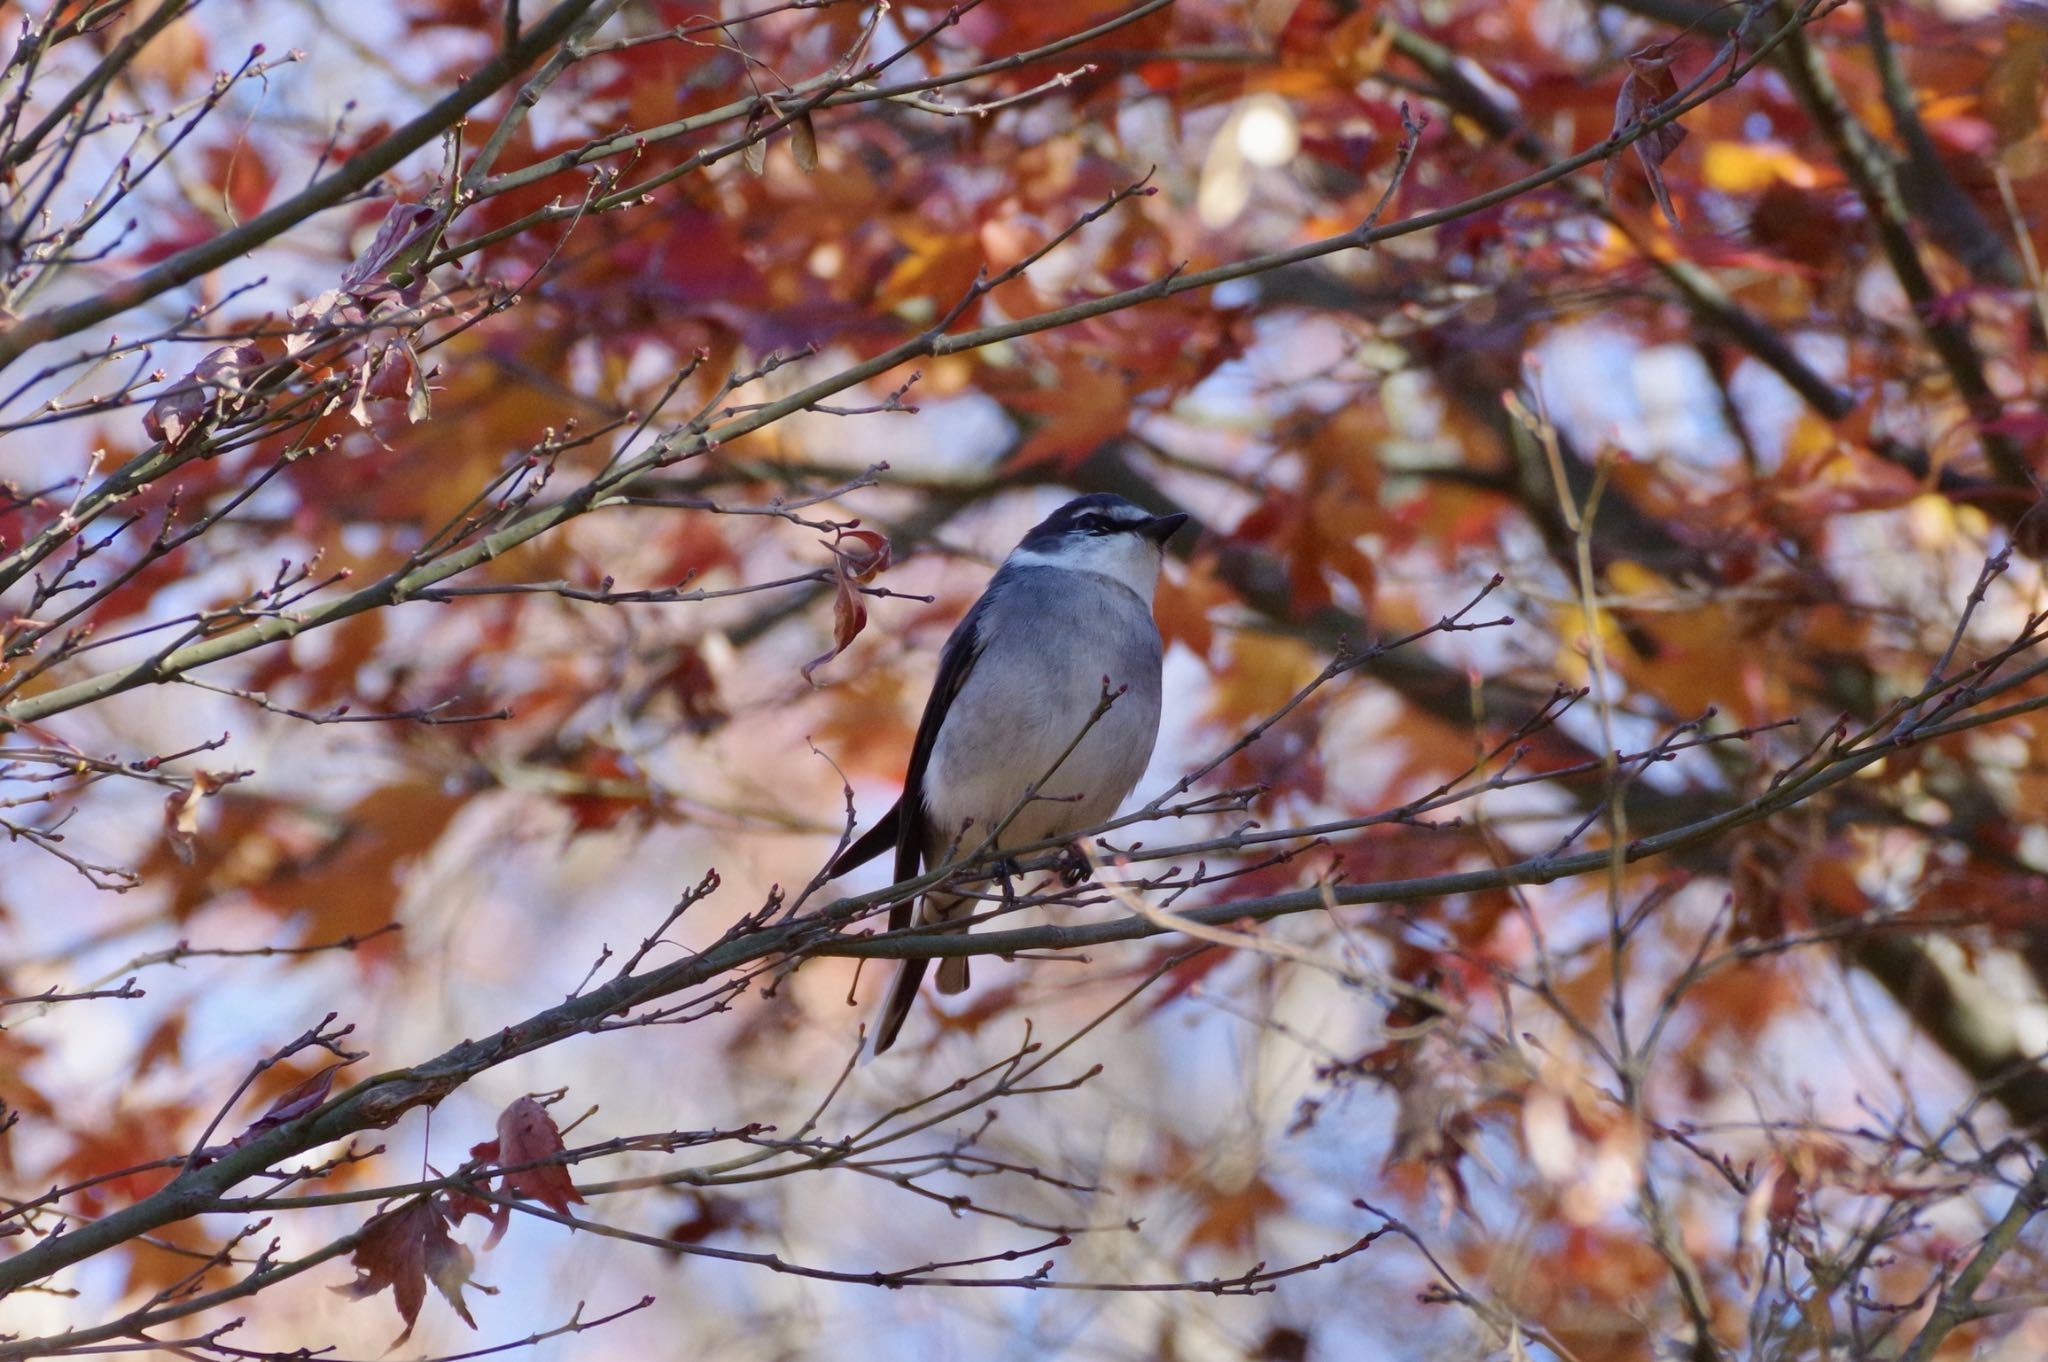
[1091, 524]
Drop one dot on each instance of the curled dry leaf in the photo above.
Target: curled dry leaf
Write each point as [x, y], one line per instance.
[227, 367]
[181, 813]
[755, 157]
[859, 556]
[864, 553]
[1649, 83]
[392, 373]
[174, 416]
[402, 238]
[318, 316]
[217, 381]
[803, 143]
[404, 1249]
[289, 1106]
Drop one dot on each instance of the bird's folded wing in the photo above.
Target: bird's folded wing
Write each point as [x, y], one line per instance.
[904, 826]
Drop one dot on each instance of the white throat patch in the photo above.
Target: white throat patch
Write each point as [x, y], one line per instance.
[1130, 559]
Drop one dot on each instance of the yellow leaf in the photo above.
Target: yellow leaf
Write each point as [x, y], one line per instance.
[1574, 635]
[1263, 672]
[1751, 167]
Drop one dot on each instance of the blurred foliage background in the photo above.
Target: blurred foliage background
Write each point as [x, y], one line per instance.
[422, 502]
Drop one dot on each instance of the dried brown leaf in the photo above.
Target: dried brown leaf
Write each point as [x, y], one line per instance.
[1648, 84]
[173, 417]
[859, 556]
[755, 156]
[181, 813]
[526, 1133]
[289, 1106]
[803, 143]
[401, 238]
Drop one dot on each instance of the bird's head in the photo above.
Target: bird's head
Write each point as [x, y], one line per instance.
[1104, 534]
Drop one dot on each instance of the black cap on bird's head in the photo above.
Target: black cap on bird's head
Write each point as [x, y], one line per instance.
[1100, 514]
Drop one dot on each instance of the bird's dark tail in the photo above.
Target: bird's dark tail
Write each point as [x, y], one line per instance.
[876, 840]
[902, 997]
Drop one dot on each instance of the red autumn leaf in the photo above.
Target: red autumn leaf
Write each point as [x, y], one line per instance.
[526, 1135]
[317, 317]
[688, 679]
[859, 556]
[175, 415]
[243, 178]
[849, 617]
[863, 553]
[406, 1248]
[1230, 1217]
[449, 1267]
[1648, 84]
[461, 1204]
[226, 367]
[706, 1216]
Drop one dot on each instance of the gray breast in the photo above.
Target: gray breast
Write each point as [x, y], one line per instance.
[1051, 636]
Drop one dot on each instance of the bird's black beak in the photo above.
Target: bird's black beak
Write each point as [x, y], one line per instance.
[1160, 528]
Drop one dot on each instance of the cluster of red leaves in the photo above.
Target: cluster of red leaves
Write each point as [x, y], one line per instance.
[409, 1246]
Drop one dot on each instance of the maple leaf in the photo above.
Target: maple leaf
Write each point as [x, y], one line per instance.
[1230, 1217]
[1648, 84]
[404, 1249]
[705, 1218]
[526, 1135]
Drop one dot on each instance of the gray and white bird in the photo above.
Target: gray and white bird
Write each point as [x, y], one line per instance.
[1020, 678]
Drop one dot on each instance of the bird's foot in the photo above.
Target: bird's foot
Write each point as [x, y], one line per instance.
[1077, 866]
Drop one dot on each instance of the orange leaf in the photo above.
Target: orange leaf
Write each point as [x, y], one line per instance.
[1231, 1218]
[1183, 606]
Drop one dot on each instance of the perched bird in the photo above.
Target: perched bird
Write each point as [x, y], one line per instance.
[1020, 678]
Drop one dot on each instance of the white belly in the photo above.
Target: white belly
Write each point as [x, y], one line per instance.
[1023, 720]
